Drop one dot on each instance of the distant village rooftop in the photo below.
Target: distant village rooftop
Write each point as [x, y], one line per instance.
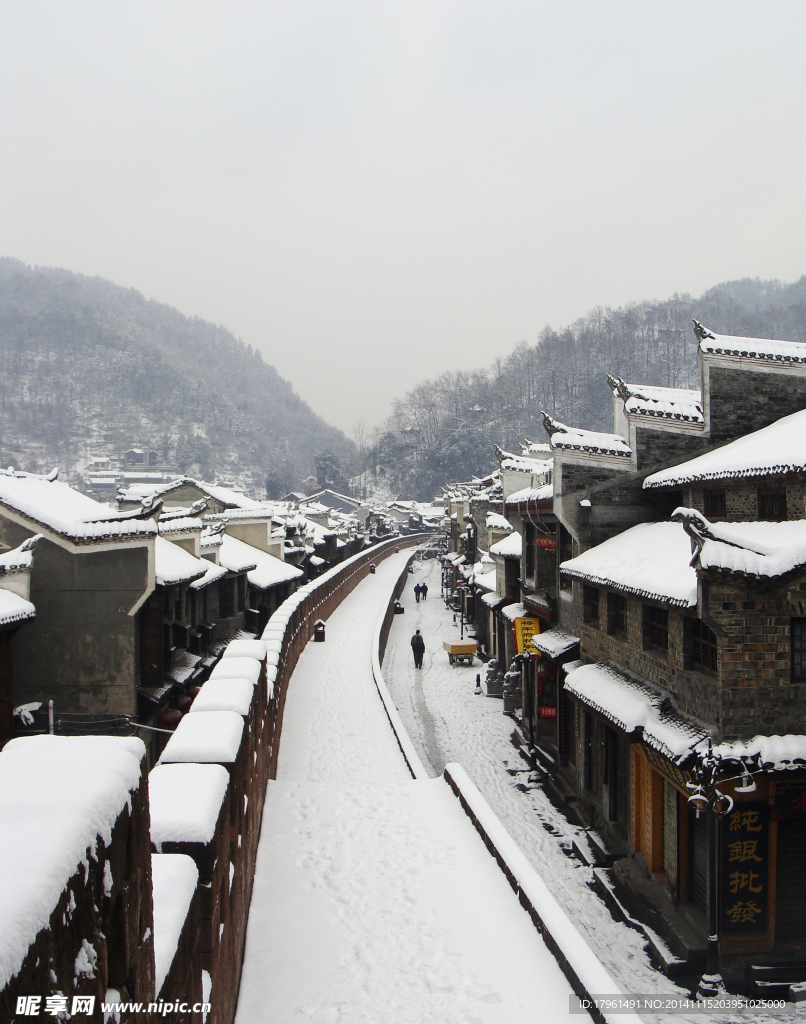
[778, 448]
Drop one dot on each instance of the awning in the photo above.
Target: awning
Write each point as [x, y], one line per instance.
[492, 600]
[554, 642]
[630, 704]
[514, 611]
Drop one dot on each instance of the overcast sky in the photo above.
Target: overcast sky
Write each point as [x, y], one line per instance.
[374, 192]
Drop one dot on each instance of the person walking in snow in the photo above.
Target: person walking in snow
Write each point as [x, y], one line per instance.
[423, 590]
[417, 591]
[418, 649]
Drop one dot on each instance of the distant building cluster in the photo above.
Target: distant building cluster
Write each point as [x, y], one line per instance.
[641, 597]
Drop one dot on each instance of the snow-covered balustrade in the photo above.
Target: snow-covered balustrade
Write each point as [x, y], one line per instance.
[190, 814]
[177, 938]
[75, 870]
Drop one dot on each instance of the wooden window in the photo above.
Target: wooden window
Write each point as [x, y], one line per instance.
[772, 506]
[590, 605]
[656, 628]
[241, 593]
[700, 645]
[714, 503]
[798, 641]
[616, 614]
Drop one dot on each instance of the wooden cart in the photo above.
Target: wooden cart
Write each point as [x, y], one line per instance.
[460, 650]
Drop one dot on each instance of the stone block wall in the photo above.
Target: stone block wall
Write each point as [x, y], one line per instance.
[743, 400]
[654, 448]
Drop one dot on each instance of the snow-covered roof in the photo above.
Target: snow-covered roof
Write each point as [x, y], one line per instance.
[224, 695]
[664, 403]
[174, 565]
[492, 600]
[523, 463]
[762, 349]
[180, 524]
[76, 516]
[212, 573]
[316, 561]
[750, 549]
[485, 581]
[773, 753]
[174, 877]
[185, 802]
[651, 560]
[213, 738]
[509, 547]
[237, 556]
[495, 521]
[14, 608]
[544, 493]
[632, 705]
[514, 611]
[246, 649]
[57, 795]
[573, 439]
[19, 559]
[554, 642]
[778, 448]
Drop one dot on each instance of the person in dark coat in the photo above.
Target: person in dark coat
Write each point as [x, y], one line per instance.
[417, 591]
[423, 590]
[418, 649]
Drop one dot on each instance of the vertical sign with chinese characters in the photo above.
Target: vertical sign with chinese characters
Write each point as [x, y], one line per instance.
[745, 868]
[525, 629]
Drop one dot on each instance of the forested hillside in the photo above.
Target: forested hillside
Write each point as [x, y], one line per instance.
[445, 429]
[87, 366]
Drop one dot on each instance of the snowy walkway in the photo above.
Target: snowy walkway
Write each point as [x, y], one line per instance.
[375, 900]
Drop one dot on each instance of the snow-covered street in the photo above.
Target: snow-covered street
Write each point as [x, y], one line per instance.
[447, 722]
[375, 900]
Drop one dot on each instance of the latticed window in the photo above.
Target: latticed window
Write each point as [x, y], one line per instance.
[616, 614]
[701, 645]
[798, 639]
[656, 628]
[772, 506]
[590, 605]
[714, 503]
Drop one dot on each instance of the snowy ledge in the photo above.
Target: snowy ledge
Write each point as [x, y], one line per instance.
[577, 960]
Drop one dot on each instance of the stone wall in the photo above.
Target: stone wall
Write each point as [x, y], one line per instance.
[654, 448]
[743, 401]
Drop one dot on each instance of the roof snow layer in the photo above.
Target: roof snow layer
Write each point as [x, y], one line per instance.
[753, 348]
[57, 794]
[509, 547]
[778, 448]
[651, 560]
[174, 565]
[14, 608]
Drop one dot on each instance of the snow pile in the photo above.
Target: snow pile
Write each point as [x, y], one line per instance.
[651, 560]
[185, 802]
[778, 448]
[509, 547]
[14, 608]
[225, 695]
[214, 737]
[174, 565]
[246, 649]
[492, 600]
[514, 611]
[485, 580]
[57, 795]
[212, 573]
[631, 705]
[237, 668]
[554, 642]
[174, 878]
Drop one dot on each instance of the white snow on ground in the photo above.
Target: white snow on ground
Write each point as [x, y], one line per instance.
[374, 899]
[447, 722]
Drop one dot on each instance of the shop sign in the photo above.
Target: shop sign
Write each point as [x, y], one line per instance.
[789, 801]
[745, 868]
[547, 694]
[525, 629]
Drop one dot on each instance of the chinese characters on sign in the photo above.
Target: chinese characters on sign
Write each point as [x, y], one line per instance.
[525, 629]
[744, 868]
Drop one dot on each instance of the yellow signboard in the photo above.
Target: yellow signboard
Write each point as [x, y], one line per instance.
[525, 629]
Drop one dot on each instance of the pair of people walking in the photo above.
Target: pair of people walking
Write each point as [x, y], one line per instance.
[418, 649]
[420, 591]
